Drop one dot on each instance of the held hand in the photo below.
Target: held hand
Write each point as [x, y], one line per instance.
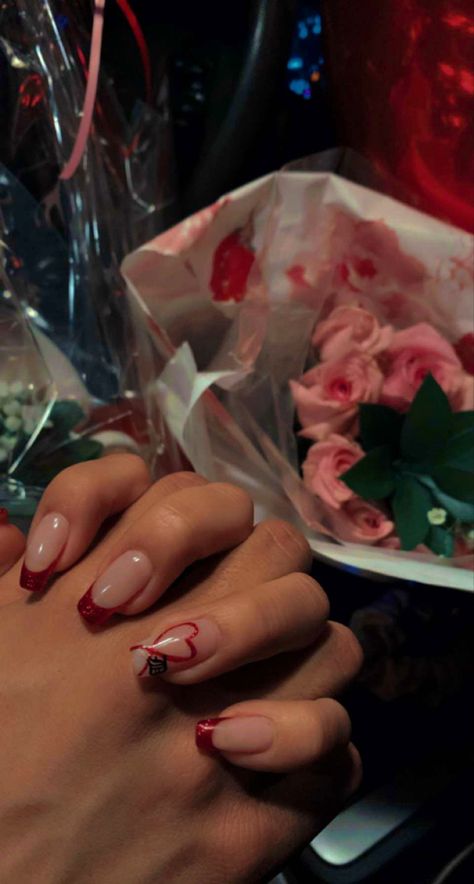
[102, 779]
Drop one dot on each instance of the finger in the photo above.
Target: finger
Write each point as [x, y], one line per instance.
[330, 667]
[240, 628]
[73, 508]
[157, 492]
[274, 548]
[324, 670]
[276, 736]
[12, 544]
[187, 526]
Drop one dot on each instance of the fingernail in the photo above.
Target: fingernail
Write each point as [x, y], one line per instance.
[244, 733]
[119, 584]
[43, 551]
[3, 516]
[178, 647]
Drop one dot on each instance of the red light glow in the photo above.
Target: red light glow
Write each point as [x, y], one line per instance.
[459, 21]
[31, 91]
[466, 81]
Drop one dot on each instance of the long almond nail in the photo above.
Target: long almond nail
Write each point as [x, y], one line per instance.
[119, 584]
[178, 647]
[244, 733]
[43, 551]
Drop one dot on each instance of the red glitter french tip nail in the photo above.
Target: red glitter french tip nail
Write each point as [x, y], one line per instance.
[91, 612]
[204, 731]
[36, 581]
[3, 515]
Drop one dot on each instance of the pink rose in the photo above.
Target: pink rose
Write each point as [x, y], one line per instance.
[416, 352]
[360, 522]
[350, 329]
[327, 396]
[325, 462]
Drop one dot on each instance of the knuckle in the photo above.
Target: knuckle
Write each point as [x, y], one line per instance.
[236, 497]
[324, 736]
[130, 463]
[178, 482]
[271, 617]
[136, 467]
[179, 525]
[289, 540]
[349, 650]
[340, 720]
[88, 482]
[73, 482]
[310, 592]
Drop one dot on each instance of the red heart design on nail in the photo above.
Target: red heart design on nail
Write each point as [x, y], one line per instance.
[175, 643]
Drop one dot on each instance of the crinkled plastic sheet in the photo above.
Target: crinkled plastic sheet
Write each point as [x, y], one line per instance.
[117, 198]
[62, 241]
[224, 391]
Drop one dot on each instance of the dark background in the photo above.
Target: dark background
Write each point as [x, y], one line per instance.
[248, 86]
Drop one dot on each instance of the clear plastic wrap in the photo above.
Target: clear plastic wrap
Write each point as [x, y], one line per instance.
[234, 294]
[63, 241]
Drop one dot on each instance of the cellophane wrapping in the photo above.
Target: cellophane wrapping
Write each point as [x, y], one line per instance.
[62, 242]
[232, 296]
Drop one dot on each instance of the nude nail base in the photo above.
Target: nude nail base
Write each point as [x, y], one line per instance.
[247, 734]
[119, 584]
[43, 552]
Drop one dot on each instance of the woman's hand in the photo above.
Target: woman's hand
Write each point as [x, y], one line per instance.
[12, 543]
[101, 777]
[73, 509]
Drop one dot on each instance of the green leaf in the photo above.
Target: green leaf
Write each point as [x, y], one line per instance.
[428, 422]
[411, 504]
[440, 541]
[66, 415]
[457, 483]
[463, 420]
[459, 449]
[373, 477]
[379, 425]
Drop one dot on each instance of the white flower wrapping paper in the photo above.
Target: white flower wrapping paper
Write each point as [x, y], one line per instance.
[231, 297]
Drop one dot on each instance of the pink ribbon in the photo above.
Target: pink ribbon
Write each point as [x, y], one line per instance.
[93, 78]
[91, 91]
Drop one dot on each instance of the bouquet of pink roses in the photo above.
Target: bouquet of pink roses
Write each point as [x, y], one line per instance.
[316, 338]
[390, 417]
